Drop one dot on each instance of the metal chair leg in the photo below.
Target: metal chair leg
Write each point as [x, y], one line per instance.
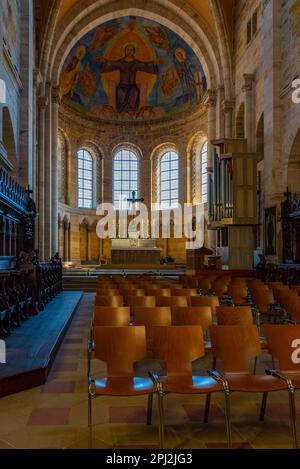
[263, 407]
[228, 418]
[161, 427]
[207, 407]
[214, 363]
[255, 366]
[89, 409]
[293, 416]
[149, 409]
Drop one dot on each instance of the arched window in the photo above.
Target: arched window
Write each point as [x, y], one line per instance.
[85, 179]
[204, 172]
[169, 180]
[125, 178]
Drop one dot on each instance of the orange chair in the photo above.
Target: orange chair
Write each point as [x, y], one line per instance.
[292, 307]
[204, 284]
[172, 301]
[284, 342]
[111, 316]
[184, 292]
[236, 346]
[158, 291]
[153, 316]
[109, 301]
[236, 315]
[178, 347]
[238, 293]
[192, 316]
[212, 301]
[140, 302]
[119, 348]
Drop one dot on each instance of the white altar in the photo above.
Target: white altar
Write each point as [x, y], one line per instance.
[134, 251]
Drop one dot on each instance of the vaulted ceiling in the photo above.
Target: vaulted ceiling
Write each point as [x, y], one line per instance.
[202, 7]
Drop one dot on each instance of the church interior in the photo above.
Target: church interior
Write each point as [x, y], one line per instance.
[150, 224]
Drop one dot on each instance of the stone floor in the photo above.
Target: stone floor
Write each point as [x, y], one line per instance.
[55, 415]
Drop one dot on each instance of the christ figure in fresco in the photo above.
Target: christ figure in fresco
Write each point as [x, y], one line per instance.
[127, 91]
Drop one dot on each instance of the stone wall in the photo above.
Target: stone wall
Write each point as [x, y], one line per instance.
[103, 139]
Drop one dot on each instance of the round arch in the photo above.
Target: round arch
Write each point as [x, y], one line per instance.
[184, 22]
[293, 169]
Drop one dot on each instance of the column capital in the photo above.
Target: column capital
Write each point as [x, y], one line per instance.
[228, 106]
[37, 78]
[248, 81]
[55, 95]
[42, 101]
[210, 98]
[265, 3]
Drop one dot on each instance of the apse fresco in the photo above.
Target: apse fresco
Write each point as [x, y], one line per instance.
[132, 68]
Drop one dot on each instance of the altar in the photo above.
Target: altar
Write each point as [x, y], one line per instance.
[135, 251]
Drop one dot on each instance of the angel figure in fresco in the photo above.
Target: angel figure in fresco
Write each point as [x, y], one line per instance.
[70, 74]
[159, 37]
[127, 91]
[88, 81]
[102, 35]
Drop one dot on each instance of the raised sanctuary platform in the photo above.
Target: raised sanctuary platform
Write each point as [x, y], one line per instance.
[135, 251]
[31, 349]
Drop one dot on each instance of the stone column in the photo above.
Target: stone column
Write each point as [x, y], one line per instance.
[89, 230]
[228, 107]
[220, 128]
[249, 111]
[66, 241]
[55, 169]
[273, 176]
[48, 175]
[42, 102]
[61, 238]
[25, 163]
[210, 103]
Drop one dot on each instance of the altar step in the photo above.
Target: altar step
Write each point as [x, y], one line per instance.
[86, 279]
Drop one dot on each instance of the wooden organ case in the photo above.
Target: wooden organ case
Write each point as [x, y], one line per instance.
[233, 200]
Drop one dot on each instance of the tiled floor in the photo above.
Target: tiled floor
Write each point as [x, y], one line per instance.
[55, 415]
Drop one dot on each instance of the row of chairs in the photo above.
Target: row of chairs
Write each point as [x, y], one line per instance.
[178, 346]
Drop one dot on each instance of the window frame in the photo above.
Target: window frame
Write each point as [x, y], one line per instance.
[82, 173]
[130, 180]
[172, 201]
[204, 172]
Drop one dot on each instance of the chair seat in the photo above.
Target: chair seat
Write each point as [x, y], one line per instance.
[124, 386]
[247, 382]
[294, 377]
[179, 384]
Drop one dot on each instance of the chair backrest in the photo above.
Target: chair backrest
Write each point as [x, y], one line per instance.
[120, 348]
[140, 301]
[132, 292]
[111, 316]
[184, 292]
[172, 301]
[109, 301]
[178, 346]
[107, 291]
[284, 343]
[292, 307]
[204, 284]
[237, 315]
[235, 346]
[192, 316]
[149, 317]
[158, 291]
[212, 301]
